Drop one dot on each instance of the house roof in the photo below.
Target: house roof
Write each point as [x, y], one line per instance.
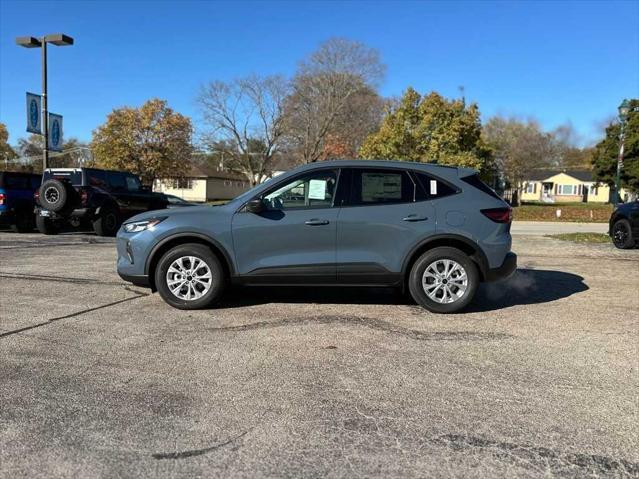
[540, 175]
[206, 171]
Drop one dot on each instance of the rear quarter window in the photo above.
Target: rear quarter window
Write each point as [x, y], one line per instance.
[480, 185]
[434, 188]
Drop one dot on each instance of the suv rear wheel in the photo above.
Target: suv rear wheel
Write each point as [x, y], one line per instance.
[108, 222]
[46, 226]
[443, 280]
[190, 276]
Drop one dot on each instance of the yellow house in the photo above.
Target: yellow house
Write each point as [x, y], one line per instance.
[557, 186]
[203, 183]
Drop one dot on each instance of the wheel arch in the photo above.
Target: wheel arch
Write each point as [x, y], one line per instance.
[183, 238]
[466, 245]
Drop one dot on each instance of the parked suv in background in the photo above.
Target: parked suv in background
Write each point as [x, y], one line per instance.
[624, 225]
[101, 198]
[433, 230]
[16, 200]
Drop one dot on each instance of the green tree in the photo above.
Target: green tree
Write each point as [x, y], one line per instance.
[604, 158]
[6, 152]
[152, 141]
[430, 129]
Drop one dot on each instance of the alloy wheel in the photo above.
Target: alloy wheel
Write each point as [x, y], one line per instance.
[445, 281]
[189, 278]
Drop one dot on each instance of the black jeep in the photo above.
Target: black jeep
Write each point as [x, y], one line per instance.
[101, 198]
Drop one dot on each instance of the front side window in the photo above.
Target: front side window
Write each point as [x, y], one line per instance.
[379, 186]
[133, 184]
[117, 181]
[315, 190]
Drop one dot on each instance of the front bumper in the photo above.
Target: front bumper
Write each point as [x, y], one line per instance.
[507, 268]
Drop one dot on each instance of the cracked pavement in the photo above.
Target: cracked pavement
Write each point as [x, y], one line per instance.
[101, 379]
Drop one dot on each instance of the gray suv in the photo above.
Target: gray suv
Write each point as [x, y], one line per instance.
[435, 231]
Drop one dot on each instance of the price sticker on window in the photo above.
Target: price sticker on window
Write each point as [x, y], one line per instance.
[317, 190]
[433, 187]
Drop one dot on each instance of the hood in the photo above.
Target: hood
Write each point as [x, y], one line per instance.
[173, 212]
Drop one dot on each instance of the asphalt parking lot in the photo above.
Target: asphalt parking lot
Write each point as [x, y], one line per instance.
[99, 379]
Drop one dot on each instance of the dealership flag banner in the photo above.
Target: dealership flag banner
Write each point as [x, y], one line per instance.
[34, 115]
[55, 132]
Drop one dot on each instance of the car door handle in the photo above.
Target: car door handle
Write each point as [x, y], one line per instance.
[316, 222]
[415, 218]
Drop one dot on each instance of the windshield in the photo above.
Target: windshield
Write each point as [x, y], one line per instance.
[247, 194]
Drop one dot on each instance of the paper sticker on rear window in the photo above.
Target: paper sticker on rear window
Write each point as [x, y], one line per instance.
[433, 187]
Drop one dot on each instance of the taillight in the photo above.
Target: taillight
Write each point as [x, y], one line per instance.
[36, 197]
[2, 197]
[499, 215]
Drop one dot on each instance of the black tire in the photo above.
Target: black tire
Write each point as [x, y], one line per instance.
[217, 282]
[54, 195]
[46, 226]
[108, 222]
[427, 259]
[25, 222]
[622, 234]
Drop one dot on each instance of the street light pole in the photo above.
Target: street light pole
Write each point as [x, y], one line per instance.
[45, 114]
[59, 40]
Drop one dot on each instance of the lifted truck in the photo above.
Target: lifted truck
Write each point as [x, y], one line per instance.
[101, 198]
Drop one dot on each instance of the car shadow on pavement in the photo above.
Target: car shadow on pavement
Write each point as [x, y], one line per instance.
[525, 286]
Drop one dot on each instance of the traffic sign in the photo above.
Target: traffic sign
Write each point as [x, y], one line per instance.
[55, 132]
[34, 113]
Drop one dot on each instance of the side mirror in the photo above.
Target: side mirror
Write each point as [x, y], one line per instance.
[255, 206]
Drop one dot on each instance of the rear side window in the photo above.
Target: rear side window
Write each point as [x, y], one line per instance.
[380, 186]
[117, 181]
[433, 187]
[16, 182]
[480, 185]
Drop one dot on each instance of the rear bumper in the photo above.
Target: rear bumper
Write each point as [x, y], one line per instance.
[507, 268]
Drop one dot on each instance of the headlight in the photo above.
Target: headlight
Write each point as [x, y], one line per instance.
[138, 226]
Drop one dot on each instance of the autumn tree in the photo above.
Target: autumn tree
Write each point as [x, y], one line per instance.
[606, 152]
[245, 123]
[519, 148]
[6, 152]
[335, 85]
[430, 129]
[152, 141]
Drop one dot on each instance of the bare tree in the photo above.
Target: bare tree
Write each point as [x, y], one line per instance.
[323, 86]
[245, 120]
[519, 148]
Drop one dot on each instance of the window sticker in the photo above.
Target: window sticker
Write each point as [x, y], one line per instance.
[433, 187]
[317, 190]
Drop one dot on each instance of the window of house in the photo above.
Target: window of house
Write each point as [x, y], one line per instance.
[183, 183]
[567, 189]
[530, 188]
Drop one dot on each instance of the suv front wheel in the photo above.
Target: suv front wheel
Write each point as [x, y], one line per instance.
[190, 276]
[443, 280]
[108, 222]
